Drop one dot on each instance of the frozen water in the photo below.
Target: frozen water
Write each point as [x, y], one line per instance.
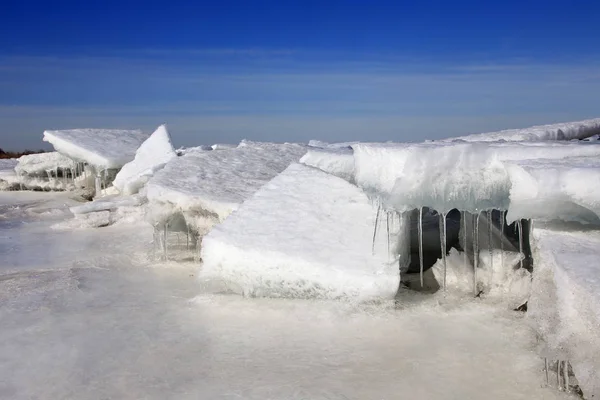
[565, 301]
[561, 131]
[338, 162]
[86, 316]
[207, 186]
[151, 156]
[531, 180]
[38, 164]
[318, 243]
[102, 148]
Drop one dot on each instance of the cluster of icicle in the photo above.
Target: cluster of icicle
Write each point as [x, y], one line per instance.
[393, 214]
[562, 375]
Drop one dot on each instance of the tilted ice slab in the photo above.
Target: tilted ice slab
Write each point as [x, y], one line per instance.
[102, 148]
[38, 164]
[211, 184]
[304, 234]
[473, 176]
[151, 156]
[338, 162]
[561, 131]
[565, 301]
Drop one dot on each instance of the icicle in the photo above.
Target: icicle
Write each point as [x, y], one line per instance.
[464, 223]
[566, 376]
[546, 371]
[387, 225]
[443, 244]
[502, 218]
[520, 227]
[187, 237]
[490, 250]
[165, 241]
[475, 252]
[558, 375]
[375, 227]
[420, 229]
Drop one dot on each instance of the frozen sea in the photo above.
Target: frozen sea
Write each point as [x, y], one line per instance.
[88, 314]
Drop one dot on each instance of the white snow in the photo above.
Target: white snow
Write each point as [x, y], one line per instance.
[561, 131]
[479, 176]
[109, 203]
[338, 162]
[207, 186]
[102, 148]
[565, 300]
[38, 164]
[151, 156]
[318, 242]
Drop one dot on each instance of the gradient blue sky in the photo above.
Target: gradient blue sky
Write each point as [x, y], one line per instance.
[221, 71]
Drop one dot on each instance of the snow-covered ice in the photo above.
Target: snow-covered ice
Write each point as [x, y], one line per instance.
[39, 164]
[102, 148]
[318, 242]
[338, 162]
[480, 176]
[561, 131]
[151, 156]
[208, 185]
[86, 315]
[565, 300]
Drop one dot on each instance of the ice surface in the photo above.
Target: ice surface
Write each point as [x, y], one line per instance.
[209, 185]
[85, 315]
[151, 156]
[561, 131]
[109, 203]
[331, 146]
[338, 162]
[38, 164]
[304, 234]
[479, 176]
[565, 300]
[102, 148]
[556, 189]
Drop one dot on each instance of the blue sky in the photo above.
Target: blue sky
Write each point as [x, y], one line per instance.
[294, 71]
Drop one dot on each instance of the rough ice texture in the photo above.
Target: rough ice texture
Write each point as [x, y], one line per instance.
[151, 156]
[9, 180]
[561, 131]
[38, 164]
[304, 234]
[325, 145]
[500, 279]
[479, 176]
[338, 162]
[565, 302]
[109, 203]
[102, 148]
[212, 184]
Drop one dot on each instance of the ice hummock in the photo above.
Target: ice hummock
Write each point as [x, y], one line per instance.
[560, 131]
[39, 164]
[152, 155]
[565, 302]
[304, 234]
[478, 176]
[206, 186]
[101, 148]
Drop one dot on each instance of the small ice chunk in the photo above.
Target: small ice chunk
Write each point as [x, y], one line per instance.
[151, 156]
